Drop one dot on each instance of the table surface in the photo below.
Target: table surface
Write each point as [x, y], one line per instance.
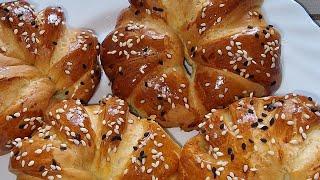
[313, 7]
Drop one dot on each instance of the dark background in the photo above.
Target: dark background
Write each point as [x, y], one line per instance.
[313, 7]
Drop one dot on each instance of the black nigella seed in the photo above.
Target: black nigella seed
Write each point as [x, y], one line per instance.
[264, 128]
[41, 168]
[232, 157]
[78, 137]
[243, 146]
[254, 125]
[21, 126]
[260, 16]
[137, 12]
[116, 138]
[146, 134]
[54, 162]
[271, 121]
[157, 9]
[263, 140]
[104, 137]
[214, 172]
[62, 148]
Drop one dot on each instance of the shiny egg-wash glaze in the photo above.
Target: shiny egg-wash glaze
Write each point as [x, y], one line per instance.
[232, 51]
[256, 138]
[95, 142]
[40, 61]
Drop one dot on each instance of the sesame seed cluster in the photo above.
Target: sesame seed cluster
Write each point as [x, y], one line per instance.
[95, 142]
[179, 59]
[40, 61]
[255, 138]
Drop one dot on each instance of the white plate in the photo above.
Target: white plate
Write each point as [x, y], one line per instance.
[300, 50]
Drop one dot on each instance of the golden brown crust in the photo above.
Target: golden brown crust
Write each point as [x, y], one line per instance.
[266, 138]
[225, 39]
[40, 61]
[95, 142]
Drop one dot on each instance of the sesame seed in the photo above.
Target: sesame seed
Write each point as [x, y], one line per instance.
[38, 151]
[306, 116]
[290, 123]
[17, 114]
[44, 173]
[219, 154]
[219, 19]
[31, 163]
[253, 169]
[3, 49]
[294, 142]
[149, 170]
[271, 153]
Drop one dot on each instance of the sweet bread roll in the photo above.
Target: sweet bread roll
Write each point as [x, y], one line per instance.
[266, 138]
[179, 59]
[95, 142]
[40, 60]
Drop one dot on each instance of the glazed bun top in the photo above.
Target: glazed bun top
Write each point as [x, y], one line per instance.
[179, 59]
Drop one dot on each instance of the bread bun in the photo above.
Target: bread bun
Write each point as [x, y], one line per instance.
[230, 50]
[95, 142]
[41, 60]
[256, 138]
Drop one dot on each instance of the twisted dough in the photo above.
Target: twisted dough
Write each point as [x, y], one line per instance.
[266, 138]
[95, 142]
[40, 61]
[232, 52]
